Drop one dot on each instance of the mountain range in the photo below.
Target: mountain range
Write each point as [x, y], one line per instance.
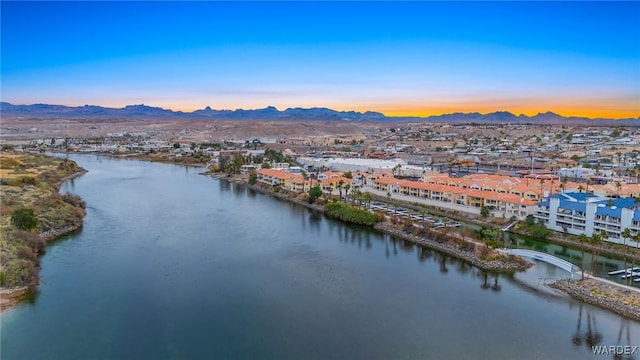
[93, 112]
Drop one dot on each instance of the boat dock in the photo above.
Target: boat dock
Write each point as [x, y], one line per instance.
[618, 272]
[633, 273]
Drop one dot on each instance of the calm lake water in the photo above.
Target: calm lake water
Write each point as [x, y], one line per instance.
[171, 264]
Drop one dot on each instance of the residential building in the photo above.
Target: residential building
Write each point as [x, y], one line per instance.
[464, 198]
[584, 213]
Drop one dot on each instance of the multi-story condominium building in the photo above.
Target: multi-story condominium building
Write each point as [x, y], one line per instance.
[283, 178]
[461, 197]
[582, 213]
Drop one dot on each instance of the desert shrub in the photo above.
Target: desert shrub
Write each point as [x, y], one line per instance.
[24, 252]
[30, 239]
[494, 257]
[29, 180]
[407, 224]
[24, 219]
[484, 251]
[19, 272]
[470, 247]
[74, 200]
[8, 163]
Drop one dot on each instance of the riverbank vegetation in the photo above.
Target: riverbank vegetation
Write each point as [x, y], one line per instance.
[531, 228]
[462, 244]
[32, 212]
[347, 213]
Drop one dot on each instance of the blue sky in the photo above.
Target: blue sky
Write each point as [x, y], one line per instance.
[408, 58]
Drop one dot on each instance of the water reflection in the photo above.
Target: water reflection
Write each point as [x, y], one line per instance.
[587, 335]
[573, 255]
[443, 265]
[224, 185]
[624, 338]
[424, 253]
[240, 288]
[239, 189]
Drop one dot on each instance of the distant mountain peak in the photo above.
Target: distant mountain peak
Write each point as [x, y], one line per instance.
[270, 112]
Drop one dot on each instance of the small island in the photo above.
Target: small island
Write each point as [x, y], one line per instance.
[32, 213]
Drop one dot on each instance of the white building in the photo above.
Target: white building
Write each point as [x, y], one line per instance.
[576, 173]
[582, 213]
[398, 166]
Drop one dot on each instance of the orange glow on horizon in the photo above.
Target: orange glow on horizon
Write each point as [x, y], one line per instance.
[611, 110]
[568, 112]
[592, 112]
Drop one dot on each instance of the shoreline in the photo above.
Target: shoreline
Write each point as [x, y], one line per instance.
[553, 238]
[592, 290]
[9, 297]
[491, 266]
[500, 266]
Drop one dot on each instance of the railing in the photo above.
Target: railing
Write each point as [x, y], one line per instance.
[561, 263]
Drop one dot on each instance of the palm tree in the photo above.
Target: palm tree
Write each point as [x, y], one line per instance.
[339, 186]
[619, 155]
[580, 188]
[356, 196]
[329, 190]
[636, 238]
[618, 187]
[589, 182]
[596, 240]
[314, 176]
[582, 238]
[367, 197]
[564, 181]
[396, 169]
[346, 190]
[423, 212]
[626, 234]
